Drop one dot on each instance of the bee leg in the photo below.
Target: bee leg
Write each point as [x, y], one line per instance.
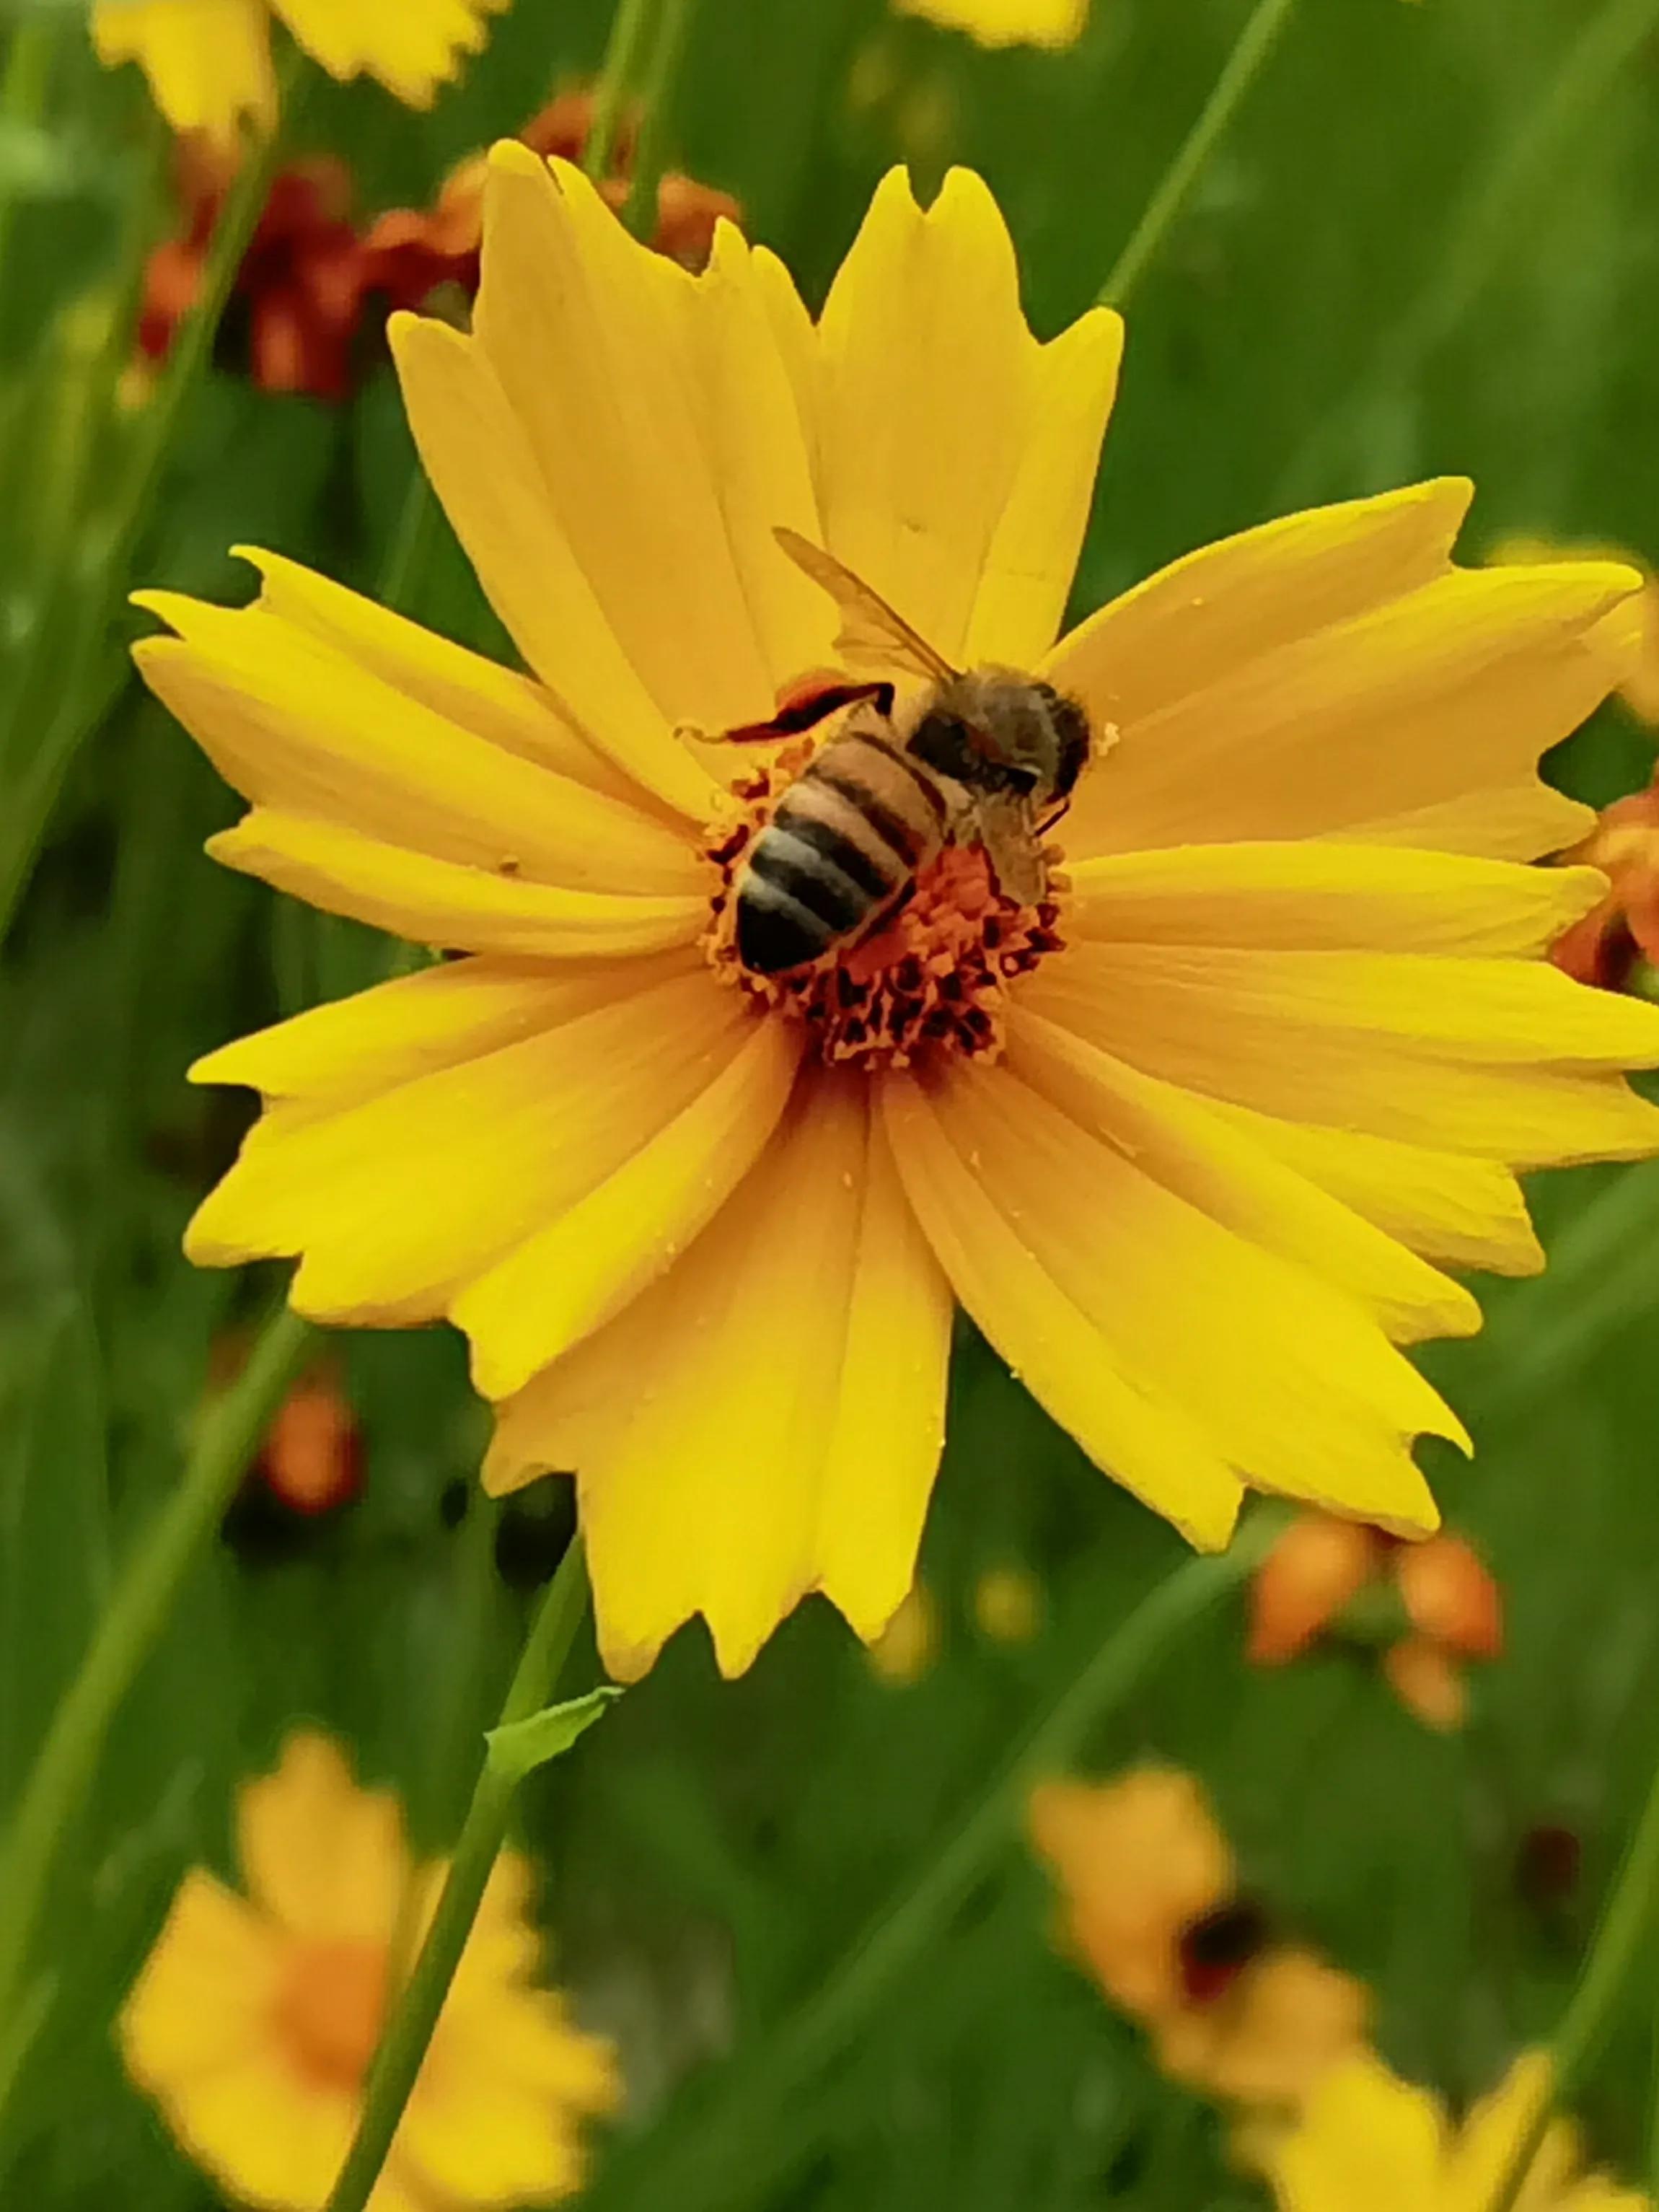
[802, 707]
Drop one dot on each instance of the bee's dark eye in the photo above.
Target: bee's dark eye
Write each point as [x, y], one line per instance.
[1023, 781]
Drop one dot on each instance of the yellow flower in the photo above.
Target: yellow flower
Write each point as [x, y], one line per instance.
[907, 1647]
[1007, 23]
[209, 61]
[253, 2020]
[1369, 2142]
[1150, 1906]
[1189, 1174]
[1008, 1604]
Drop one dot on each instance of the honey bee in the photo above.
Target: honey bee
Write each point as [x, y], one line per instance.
[986, 756]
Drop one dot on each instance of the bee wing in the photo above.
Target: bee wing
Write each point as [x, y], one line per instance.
[1002, 823]
[871, 635]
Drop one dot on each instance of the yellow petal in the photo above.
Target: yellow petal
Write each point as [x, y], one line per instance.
[570, 1278]
[1032, 556]
[1189, 1148]
[412, 46]
[1332, 674]
[1367, 2142]
[471, 2135]
[208, 61]
[1453, 689]
[298, 726]
[1047, 1336]
[797, 343]
[419, 1024]
[927, 381]
[1053, 23]
[1210, 614]
[762, 472]
[511, 710]
[201, 1998]
[1453, 1055]
[721, 1427]
[1295, 1387]
[495, 2115]
[273, 2136]
[1467, 1213]
[319, 1855]
[398, 1200]
[486, 473]
[586, 331]
[446, 904]
[1320, 895]
[888, 1428]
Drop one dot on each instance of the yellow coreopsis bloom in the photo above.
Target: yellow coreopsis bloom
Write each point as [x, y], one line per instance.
[254, 2019]
[1191, 1141]
[1151, 1905]
[1007, 23]
[209, 61]
[1370, 2142]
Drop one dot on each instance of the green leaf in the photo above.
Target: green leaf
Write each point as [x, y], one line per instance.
[519, 1746]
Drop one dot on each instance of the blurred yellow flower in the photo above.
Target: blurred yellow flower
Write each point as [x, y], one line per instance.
[1006, 22]
[209, 61]
[907, 1647]
[1368, 2141]
[1186, 1140]
[254, 2019]
[1008, 1604]
[1151, 1905]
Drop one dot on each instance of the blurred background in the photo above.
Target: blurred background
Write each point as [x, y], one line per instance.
[1426, 244]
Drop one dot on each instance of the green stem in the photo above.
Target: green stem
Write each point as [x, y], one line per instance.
[651, 155]
[58, 1782]
[1622, 1939]
[22, 96]
[112, 540]
[402, 2047]
[701, 2158]
[617, 74]
[1239, 72]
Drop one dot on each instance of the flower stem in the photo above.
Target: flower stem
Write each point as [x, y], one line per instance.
[700, 2159]
[1238, 73]
[64, 1764]
[651, 155]
[1620, 1941]
[402, 2047]
[617, 74]
[112, 538]
[22, 96]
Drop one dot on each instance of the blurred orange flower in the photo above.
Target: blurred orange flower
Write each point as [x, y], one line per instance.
[1150, 1905]
[1432, 1604]
[299, 291]
[411, 253]
[312, 1456]
[254, 2019]
[1602, 946]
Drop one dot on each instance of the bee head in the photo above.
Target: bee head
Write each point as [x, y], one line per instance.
[996, 730]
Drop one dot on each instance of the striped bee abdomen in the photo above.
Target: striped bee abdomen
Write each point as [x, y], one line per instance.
[843, 845]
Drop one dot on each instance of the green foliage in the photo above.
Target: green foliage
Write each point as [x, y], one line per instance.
[1426, 245]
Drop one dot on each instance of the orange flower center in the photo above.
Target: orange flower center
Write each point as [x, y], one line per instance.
[329, 2009]
[929, 981]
